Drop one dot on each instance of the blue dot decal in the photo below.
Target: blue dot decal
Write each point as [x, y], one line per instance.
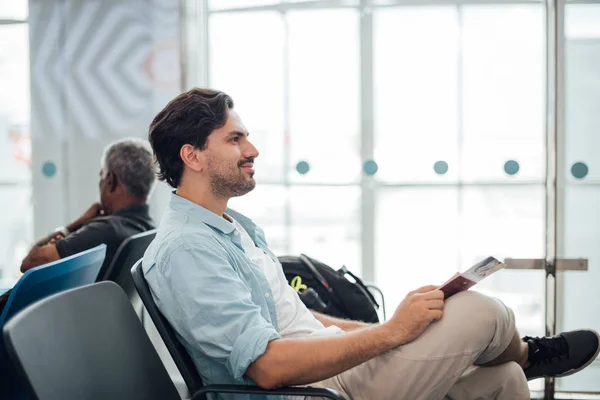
[49, 169]
[511, 167]
[302, 167]
[440, 167]
[579, 170]
[370, 167]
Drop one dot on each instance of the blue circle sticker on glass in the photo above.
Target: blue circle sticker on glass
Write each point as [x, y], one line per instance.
[579, 170]
[440, 167]
[49, 169]
[302, 167]
[370, 167]
[511, 167]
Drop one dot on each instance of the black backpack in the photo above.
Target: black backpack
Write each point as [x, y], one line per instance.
[330, 292]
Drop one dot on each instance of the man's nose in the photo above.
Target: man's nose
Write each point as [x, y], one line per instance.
[250, 151]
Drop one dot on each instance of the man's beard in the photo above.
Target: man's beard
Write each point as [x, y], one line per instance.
[229, 181]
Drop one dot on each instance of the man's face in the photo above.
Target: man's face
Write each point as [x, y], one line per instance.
[230, 159]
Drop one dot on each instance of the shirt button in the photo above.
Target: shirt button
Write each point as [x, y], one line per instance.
[236, 233]
[267, 295]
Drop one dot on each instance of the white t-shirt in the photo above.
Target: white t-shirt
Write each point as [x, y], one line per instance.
[293, 318]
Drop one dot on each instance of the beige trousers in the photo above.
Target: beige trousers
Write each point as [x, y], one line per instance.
[442, 362]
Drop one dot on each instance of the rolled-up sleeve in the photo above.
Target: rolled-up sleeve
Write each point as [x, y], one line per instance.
[211, 307]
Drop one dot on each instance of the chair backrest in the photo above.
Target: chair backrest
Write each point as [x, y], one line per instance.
[180, 356]
[86, 343]
[40, 282]
[118, 271]
[131, 250]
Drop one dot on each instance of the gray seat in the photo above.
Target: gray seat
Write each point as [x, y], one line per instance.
[86, 343]
[131, 250]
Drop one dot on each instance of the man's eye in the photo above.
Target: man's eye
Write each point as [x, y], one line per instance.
[236, 139]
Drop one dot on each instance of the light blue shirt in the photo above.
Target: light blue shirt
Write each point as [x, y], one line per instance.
[217, 300]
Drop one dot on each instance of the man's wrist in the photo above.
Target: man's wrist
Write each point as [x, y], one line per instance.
[73, 226]
[395, 335]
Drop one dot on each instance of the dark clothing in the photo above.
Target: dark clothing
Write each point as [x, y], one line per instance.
[111, 230]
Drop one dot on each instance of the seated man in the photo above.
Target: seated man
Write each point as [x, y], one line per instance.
[223, 291]
[127, 177]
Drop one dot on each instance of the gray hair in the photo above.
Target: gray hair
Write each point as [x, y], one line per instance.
[131, 160]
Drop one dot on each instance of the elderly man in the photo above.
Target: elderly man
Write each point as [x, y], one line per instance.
[127, 177]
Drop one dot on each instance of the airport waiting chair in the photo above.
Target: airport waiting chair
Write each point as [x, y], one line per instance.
[185, 364]
[118, 271]
[45, 280]
[86, 343]
[40, 282]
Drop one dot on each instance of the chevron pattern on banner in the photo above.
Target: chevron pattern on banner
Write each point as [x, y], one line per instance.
[96, 65]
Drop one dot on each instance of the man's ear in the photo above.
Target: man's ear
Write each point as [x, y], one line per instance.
[192, 158]
[111, 181]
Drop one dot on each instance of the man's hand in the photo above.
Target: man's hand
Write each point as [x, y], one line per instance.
[56, 238]
[417, 311]
[94, 211]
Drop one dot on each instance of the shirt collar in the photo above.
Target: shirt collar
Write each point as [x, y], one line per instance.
[134, 209]
[199, 213]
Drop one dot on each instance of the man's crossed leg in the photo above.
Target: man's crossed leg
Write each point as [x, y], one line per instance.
[473, 352]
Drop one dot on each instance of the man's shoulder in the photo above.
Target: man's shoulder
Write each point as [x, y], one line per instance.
[98, 224]
[183, 237]
[112, 227]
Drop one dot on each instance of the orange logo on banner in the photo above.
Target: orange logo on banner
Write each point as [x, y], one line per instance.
[21, 147]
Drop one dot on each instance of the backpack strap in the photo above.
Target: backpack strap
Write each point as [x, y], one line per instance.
[309, 264]
[361, 286]
[334, 297]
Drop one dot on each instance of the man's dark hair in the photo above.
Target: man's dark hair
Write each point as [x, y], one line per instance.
[188, 119]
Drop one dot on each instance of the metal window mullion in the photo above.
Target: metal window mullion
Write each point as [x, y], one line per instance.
[194, 65]
[287, 158]
[554, 77]
[560, 161]
[184, 9]
[460, 125]
[9, 21]
[204, 50]
[368, 193]
[286, 7]
[390, 3]
[560, 149]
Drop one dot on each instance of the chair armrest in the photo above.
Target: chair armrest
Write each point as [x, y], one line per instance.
[286, 391]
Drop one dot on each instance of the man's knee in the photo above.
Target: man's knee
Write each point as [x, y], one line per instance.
[478, 308]
[474, 314]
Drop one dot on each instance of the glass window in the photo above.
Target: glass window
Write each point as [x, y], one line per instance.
[324, 88]
[579, 221]
[15, 151]
[504, 85]
[325, 224]
[579, 233]
[416, 239]
[507, 222]
[249, 67]
[225, 4]
[266, 205]
[415, 88]
[582, 93]
[13, 9]
[503, 221]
